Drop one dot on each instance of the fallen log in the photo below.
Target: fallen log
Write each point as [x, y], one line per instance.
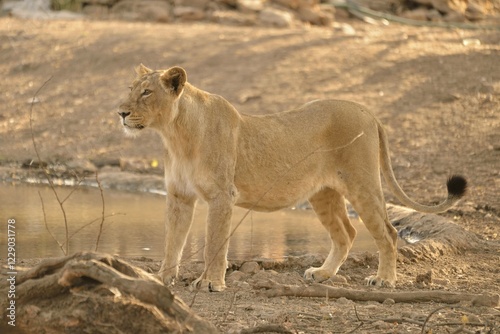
[97, 293]
[274, 289]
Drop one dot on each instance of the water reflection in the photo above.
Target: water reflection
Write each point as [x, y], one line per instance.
[135, 227]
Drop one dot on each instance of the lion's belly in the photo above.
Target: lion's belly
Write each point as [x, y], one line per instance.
[271, 197]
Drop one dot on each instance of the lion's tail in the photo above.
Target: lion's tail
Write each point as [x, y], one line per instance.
[457, 185]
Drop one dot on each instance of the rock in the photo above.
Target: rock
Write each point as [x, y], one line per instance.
[474, 12]
[243, 285]
[434, 15]
[101, 162]
[471, 41]
[389, 301]
[346, 28]
[39, 9]
[424, 279]
[81, 166]
[315, 16]
[445, 6]
[229, 3]
[335, 280]
[276, 18]
[133, 165]
[292, 4]
[189, 13]
[419, 14]
[441, 281]
[145, 10]
[250, 267]
[380, 324]
[235, 276]
[96, 11]
[269, 264]
[344, 301]
[202, 4]
[234, 18]
[250, 6]
[34, 164]
[454, 17]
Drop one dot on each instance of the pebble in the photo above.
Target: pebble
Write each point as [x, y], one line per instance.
[251, 267]
[343, 301]
[243, 285]
[389, 301]
[381, 324]
[335, 280]
[441, 281]
[236, 276]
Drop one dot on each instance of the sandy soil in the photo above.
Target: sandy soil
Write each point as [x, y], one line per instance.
[437, 91]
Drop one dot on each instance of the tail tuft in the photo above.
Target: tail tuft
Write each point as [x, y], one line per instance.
[457, 186]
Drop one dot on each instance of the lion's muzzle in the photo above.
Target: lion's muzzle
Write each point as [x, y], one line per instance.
[124, 114]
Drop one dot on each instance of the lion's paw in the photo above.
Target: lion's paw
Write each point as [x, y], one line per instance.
[167, 280]
[380, 282]
[168, 274]
[317, 274]
[206, 285]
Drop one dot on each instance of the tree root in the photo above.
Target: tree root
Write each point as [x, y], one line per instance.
[274, 289]
[98, 293]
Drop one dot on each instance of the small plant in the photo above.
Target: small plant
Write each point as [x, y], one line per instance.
[64, 246]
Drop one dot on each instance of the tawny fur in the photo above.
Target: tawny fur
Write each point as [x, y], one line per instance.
[324, 151]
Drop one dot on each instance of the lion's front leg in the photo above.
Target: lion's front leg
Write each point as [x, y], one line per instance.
[179, 217]
[216, 243]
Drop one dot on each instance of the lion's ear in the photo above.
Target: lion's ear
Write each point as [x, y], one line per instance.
[142, 70]
[174, 79]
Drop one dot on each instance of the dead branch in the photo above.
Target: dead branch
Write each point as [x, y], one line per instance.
[103, 210]
[85, 276]
[320, 290]
[46, 173]
[75, 232]
[47, 225]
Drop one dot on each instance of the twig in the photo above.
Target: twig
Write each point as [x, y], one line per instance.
[459, 330]
[359, 319]
[233, 300]
[46, 225]
[356, 329]
[103, 209]
[388, 320]
[46, 173]
[356, 313]
[90, 223]
[430, 315]
[73, 190]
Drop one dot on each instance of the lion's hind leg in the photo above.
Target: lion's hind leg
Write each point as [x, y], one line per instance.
[330, 208]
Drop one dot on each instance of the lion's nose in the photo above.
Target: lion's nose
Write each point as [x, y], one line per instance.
[123, 114]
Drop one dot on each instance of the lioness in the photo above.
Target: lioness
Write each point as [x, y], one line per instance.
[322, 151]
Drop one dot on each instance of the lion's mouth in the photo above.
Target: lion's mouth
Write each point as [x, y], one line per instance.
[135, 126]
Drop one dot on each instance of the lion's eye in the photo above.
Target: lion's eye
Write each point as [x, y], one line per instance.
[146, 92]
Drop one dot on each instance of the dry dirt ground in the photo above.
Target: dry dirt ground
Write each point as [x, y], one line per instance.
[436, 90]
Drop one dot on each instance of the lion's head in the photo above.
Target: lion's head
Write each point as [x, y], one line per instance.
[152, 97]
